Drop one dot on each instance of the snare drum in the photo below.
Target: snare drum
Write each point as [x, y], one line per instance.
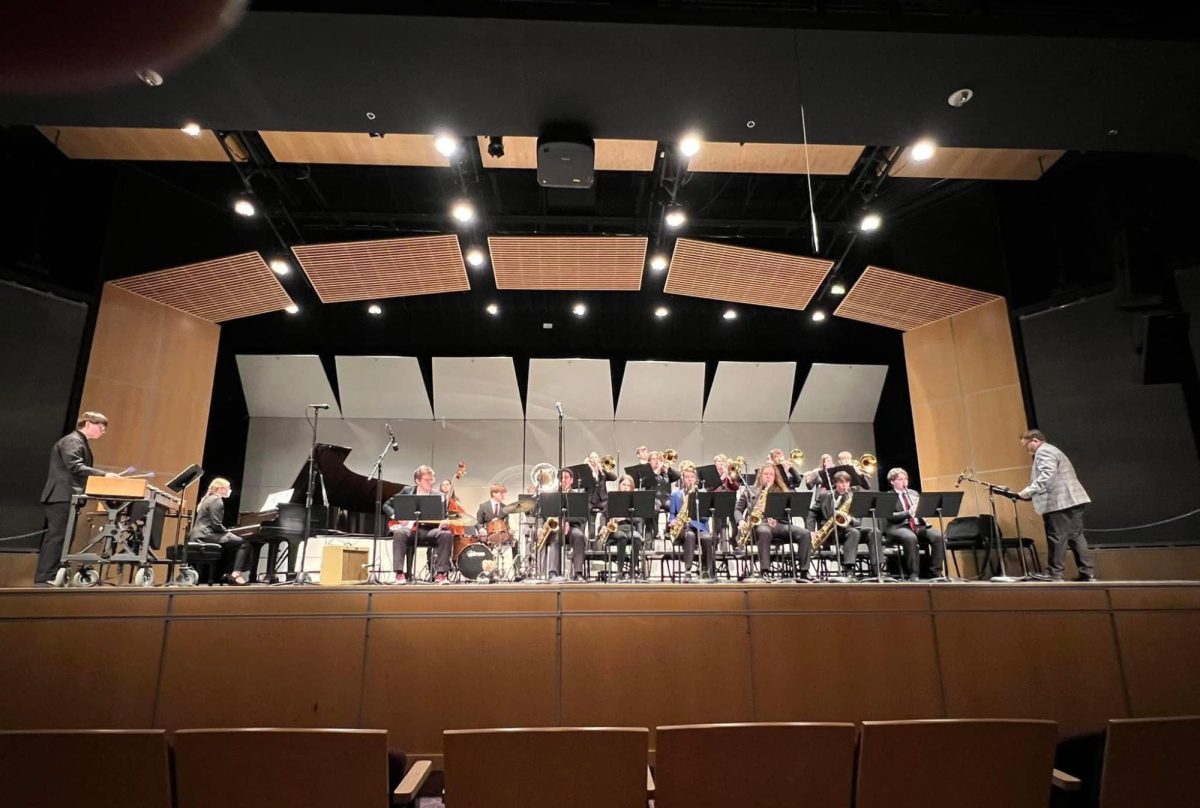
[474, 559]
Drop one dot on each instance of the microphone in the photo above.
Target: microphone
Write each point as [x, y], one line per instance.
[395, 446]
[558, 406]
[319, 406]
[958, 483]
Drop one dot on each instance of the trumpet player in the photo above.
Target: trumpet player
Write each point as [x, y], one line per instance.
[770, 531]
[785, 470]
[858, 480]
[730, 471]
[625, 532]
[604, 470]
[847, 537]
[684, 498]
[909, 530]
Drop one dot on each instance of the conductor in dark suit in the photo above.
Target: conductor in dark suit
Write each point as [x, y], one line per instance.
[70, 465]
[210, 527]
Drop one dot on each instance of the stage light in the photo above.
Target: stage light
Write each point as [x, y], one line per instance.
[493, 309]
[689, 144]
[475, 257]
[191, 129]
[658, 262]
[730, 314]
[280, 267]
[293, 309]
[446, 144]
[496, 146]
[375, 309]
[837, 289]
[870, 223]
[675, 216]
[244, 207]
[661, 312]
[149, 77]
[922, 150]
[818, 316]
[579, 310]
[463, 211]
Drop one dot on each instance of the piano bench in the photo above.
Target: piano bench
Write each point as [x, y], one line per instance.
[204, 557]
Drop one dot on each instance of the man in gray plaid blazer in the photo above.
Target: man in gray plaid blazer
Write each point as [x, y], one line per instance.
[1059, 497]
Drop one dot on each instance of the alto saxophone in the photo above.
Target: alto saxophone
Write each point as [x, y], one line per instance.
[753, 519]
[675, 529]
[548, 527]
[608, 528]
[840, 518]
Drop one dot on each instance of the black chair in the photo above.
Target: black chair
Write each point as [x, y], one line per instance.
[974, 533]
[204, 557]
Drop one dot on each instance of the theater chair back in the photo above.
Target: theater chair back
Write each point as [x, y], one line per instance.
[1148, 761]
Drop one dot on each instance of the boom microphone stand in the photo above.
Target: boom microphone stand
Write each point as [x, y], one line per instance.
[995, 539]
[377, 473]
[301, 576]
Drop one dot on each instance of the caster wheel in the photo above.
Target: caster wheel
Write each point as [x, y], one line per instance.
[85, 578]
[144, 577]
[187, 577]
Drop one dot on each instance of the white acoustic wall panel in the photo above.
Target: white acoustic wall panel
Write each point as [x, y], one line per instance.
[682, 436]
[840, 394]
[661, 391]
[751, 391]
[282, 386]
[382, 387]
[476, 388]
[580, 438]
[584, 386]
[752, 441]
[492, 451]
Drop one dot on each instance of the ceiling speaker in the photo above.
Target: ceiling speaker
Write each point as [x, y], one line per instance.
[566, 163]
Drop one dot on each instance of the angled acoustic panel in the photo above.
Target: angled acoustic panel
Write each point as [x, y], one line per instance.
[904, 302]
[223, 289]
[476, 388]
[840, 394]
[354, 148]
[374, 270]
[608, 263]
[120, 143]
[661, 391]
[741, 275]
[284, 386]
[382, 387]
[582, 386]
[751, 391]
[978, 164]
[775, 158]
[611, 155]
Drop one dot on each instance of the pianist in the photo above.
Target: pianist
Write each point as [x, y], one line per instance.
[404, 549]
[210, 527]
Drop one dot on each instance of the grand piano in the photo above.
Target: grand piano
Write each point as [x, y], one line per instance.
[346, 508]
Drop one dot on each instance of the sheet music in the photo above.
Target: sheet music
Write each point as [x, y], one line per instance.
[272, 501]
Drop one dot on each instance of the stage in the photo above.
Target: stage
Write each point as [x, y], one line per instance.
[419, 659]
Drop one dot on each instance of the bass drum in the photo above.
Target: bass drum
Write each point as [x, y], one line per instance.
[475, 559]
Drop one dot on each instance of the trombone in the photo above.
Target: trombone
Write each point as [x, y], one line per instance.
[867, 464]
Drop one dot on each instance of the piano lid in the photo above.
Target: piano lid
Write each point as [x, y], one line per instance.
[344, 488]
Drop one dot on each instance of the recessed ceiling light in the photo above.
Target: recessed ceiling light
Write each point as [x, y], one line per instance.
[730, 314]
[463, 211]
[661, 312]
[475, 257]
[818, 316]
[293, 309]
[579, 309]
[493, 309]
[244, 207]
[446, 144]
[922, 150]
[191, 129]
[838, 289]
[690, 144]
[280, 267]
[375, 309]
[658, 262]
[675, 216]
[870, 223]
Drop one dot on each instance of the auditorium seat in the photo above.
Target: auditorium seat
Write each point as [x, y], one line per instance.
[1147, 762]
[96, 768]
[754, 765]
[274, 768]
[553, 767]
[931, 764]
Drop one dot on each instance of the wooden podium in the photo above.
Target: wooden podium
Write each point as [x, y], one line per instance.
[343, 565]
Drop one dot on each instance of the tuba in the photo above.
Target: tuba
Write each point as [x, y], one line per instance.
[544, 477]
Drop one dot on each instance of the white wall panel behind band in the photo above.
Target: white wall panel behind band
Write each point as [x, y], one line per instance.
[751, 392]
[682, 436]
[581, 437]
[584, 386]
[751, 441]
[387, 387]
[282, 386]
[491, 450]
[661, 391]
[476, 388]
[840, 394]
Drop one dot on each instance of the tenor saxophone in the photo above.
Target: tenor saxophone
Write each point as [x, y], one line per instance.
[840, 518]
[548, 527]
[675, 529]
[753, 519]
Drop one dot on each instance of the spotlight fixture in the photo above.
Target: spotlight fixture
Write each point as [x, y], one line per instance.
[446, 144]
[922, 150]
[375, 309]
[475, 257]
[870, 223]
[837, 289]
[496, 146]
[579, 310]
[293, 309]
[463, 211]
[658, 262]
[280, 267]
[493, 309]
[191, 129]
[960, 97]
[818, 316]
[244, 207]
[675, 216]
[730, 314]
[689, 144]
[151, 78]
[661, 312]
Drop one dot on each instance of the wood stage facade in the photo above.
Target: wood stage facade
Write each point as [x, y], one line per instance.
[417, 660]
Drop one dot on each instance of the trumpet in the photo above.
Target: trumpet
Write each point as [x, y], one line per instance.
[867, 464]
[796, 456]
[548, 527]
[544, 477]
[734, 469]
[669, 456]
[608, 462]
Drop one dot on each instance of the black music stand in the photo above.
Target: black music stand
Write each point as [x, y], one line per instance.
[583, 476]
[719, 506]
[429, 508]
[937, 504]
[186, 576]
[635, 505]
[782, 507]
[643, 476]
[709, 476]
[572, 505]
[868, 505]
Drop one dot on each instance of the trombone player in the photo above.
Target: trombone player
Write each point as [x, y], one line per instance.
[786, 470]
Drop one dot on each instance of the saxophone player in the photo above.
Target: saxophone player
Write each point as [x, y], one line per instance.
[769, 531]
[684, 498]
[574, 531]
[626, 531]
[848, 537]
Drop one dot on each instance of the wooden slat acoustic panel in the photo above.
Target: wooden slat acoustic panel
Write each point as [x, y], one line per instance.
[611, 154]
[978, 164]
[902, 301]
[775, 158]
[609, 263]
[115, 143]
[353, 148]
[219, 290]
[742, 275]
[372, 270]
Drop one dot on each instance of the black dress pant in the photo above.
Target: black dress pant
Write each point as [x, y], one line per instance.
[621, 538]
[50, 551]
[235, 547]
[765, 535]
[688, 541]
[910, 541]
[577, 541]
[404, 554]
[1065, 528]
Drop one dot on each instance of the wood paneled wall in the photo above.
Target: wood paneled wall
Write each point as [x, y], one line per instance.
[419, 661]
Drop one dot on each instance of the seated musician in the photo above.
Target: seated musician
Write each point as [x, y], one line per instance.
[907, 529]
[643, 454]
[847, 537]
[695, 527]
[574, 535]
[729, 482]
[492, 510]
[210, 527]
[785, 470]
[438, 536]
[598, 501]
[626, 532]
[664, 476]
[818, 481]
[858, 480]
[770, 531]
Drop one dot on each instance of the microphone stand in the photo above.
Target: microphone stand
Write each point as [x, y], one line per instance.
[301, 576]
[377, 474]
[996, 540]
[563, 532]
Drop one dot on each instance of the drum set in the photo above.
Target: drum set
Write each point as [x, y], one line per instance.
[479, 558]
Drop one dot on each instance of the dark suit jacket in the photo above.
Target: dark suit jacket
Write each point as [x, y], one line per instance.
[70, 463]
[484, 514]
[901, 517]
[822, 510]
[210, 519]
[599, 497]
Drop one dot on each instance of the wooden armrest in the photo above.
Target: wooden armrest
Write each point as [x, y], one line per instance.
[413, 780]
[649, 782]
[1060, 779]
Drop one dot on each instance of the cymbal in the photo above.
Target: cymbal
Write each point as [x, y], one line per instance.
[520, 506]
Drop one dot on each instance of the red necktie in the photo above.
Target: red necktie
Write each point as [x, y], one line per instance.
[495, 509]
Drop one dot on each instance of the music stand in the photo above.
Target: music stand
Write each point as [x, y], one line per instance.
[636, 505]
[179, 483]
[719, 505]
[418, 508]
[583, 476]
[869, 504]
[643, 476]
[935, 504]
[709, 476]
[572, 505]
[780, 506]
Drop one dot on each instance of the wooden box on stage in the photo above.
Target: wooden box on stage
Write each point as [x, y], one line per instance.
[342, 565]
[132, 487]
